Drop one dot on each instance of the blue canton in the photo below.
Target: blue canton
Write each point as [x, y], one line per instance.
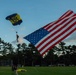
[36, 35]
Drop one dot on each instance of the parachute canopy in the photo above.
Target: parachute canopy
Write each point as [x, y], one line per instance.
[14, 19]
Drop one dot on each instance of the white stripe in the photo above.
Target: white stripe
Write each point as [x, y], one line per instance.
[57, 40]
[49, 24]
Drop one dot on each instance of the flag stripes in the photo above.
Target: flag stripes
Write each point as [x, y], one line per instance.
[53, 36]
[52, 44]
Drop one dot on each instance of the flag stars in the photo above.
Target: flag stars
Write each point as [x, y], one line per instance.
[37, 35]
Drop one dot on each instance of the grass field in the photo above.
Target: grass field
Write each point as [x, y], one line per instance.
[41, 71]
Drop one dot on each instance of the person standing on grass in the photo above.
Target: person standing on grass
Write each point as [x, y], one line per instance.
[14, 69]
[14, 66]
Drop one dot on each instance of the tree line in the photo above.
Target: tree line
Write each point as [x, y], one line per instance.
[28, 55]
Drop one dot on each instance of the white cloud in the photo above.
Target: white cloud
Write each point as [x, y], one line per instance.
[71, 40]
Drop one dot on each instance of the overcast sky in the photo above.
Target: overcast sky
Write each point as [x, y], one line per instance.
[35, 14]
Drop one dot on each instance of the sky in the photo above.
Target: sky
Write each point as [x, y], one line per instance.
[35, 14]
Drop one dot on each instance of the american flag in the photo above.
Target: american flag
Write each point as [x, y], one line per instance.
[45, 38]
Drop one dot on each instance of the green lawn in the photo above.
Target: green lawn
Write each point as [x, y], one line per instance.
[41, 71]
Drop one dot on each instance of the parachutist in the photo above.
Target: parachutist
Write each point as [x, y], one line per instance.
[17, 36]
